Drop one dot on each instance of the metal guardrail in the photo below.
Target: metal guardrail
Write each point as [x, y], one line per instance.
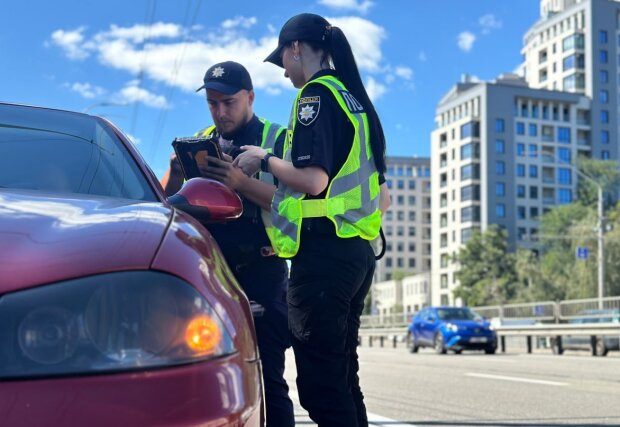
[544, 311]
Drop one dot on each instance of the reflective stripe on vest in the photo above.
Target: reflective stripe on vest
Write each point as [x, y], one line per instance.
[352, 198]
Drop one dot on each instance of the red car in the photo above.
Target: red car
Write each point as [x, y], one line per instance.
[116, 307]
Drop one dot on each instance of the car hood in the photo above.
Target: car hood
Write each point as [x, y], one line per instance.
[47, 237]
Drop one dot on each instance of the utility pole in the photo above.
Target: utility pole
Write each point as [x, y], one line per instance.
[601, 245]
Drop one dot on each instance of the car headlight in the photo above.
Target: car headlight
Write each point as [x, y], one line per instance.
[110, 322]
[452, 327]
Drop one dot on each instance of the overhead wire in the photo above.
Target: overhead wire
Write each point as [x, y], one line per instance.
[161, 120]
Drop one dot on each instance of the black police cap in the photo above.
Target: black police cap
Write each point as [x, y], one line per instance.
[227, 77]
[303, 27]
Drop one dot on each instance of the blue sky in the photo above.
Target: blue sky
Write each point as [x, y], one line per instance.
[138, 62]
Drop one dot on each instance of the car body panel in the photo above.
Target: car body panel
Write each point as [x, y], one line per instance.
[584, 342]
[48, 236]
[182, 396]
[71, 235]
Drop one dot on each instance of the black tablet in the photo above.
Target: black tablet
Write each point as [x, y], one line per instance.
[192, 152]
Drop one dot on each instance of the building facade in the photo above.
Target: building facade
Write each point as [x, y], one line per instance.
[575, 47]
[407, 223]
[499, 156]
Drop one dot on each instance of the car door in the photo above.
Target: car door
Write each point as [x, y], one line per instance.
[427, 326]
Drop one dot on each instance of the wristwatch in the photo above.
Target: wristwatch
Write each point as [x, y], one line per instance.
[264, 163]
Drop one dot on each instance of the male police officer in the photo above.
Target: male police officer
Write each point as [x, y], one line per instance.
[244, 242]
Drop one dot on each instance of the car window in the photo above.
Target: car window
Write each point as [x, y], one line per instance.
[65, 152]
[457, 314]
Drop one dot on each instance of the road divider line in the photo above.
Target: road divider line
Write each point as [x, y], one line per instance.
[515, 379]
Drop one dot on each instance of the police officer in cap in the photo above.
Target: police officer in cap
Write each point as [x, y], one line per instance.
[326, 210]
[244, 242]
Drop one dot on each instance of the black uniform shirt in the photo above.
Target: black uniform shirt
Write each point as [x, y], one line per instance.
[323, 136]
[241, 240]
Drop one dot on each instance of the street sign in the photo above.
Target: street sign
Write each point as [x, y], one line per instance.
[581, 252]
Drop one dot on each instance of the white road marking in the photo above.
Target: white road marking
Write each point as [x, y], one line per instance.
[516, 379]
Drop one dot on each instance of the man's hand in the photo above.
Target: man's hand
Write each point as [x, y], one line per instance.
[249, 160]
[224, 172]
[173, 178]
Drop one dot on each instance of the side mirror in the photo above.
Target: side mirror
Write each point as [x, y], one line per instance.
[207, 200]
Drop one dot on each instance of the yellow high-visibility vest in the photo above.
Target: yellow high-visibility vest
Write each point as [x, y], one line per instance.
[352, 198]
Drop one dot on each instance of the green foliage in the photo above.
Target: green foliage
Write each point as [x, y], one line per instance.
[487, 270]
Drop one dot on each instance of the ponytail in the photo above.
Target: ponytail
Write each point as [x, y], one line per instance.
[346, 68]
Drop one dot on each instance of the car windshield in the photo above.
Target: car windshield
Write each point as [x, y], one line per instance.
[59, 151]
[457, 314]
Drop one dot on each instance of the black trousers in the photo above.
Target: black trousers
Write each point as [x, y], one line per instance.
[273, 340]
[330, 277]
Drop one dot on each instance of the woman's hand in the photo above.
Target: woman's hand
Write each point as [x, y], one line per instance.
[249, 160]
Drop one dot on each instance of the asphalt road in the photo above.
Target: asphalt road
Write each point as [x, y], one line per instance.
[473, 389]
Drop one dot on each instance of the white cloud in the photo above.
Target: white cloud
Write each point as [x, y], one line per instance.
[466, 41]
[375, 89]
[133, 139]
[239, 21]
[178, 62]
[422, 56]
[71, 42]
[132, 93]
[404, 72]
[489, 22]
[362, 6]
[365, 38]
[87, 90]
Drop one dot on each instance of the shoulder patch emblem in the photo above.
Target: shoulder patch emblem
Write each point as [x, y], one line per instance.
[308, 109]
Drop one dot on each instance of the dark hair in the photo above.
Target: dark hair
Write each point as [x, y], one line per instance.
[346, 68]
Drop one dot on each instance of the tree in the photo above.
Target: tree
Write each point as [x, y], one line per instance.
[487, 270]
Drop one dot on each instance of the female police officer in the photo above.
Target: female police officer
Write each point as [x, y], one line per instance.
[324, 212]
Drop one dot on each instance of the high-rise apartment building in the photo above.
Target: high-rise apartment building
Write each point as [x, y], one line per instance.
[575, 47]
[499, 156]
[407, 224]
[503, 152]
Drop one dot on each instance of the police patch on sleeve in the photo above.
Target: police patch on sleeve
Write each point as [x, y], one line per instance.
[308, 109]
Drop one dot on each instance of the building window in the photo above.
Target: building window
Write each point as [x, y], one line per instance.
[411, 262]
[564, 135]
[470, 192]
[471, 171]
[500, 167]
[533, 171]
[574, 41]
[535, 110]
[520, 149]
[466, 235]
[602, 36]
[605, 155]
[411, 231]
[521, 191]
[500, 189]
[469, 151]
[411, 247]
[400, 184]
[533, 192]
[389, 215]
[603, 97]
[565, 196]
[411, 216]
[603, 76]
[564, 176]
[533, 212]
[388, 262]
[411, 184]
[500, 210]
[605, 137]
[470, 130]
[499, 125]
[564, 154]
[520, 170]
[604, 116]
[470, 213]
[521, 211]
[533, 150]
[411, 200]
[545, 112]
[603, 56]
[532, 129]
[520, 128]
[500, 147]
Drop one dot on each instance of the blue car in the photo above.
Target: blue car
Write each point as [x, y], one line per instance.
[451, 328]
